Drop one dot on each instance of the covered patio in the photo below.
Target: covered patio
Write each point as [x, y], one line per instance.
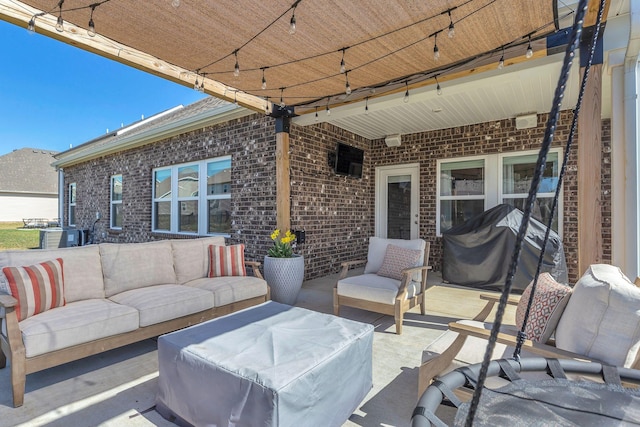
[117, 388]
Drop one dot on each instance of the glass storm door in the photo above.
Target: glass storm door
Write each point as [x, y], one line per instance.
[397, 202]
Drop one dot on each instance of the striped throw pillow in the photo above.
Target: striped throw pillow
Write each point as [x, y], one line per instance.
[226, 261]
[37, 288]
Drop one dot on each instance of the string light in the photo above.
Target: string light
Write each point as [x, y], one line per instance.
[292, 21]
[91, 31]
[452, 29]
[31, 27]
[501, 63]
[343, 66]
[235, 97]
[317, 113]
[328, 110]
[406, 93]
[438, 88]
[236, 68]
[60, 22]
[436, 51]
[264, 80]
[196, 85]
[529, 53]
[347, 88]
[282, 104]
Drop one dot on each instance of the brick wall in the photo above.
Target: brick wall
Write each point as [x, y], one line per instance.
[251, 143]
[336, 212]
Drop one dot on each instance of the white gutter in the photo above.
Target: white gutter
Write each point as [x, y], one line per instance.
[61, 195]
[210, 117]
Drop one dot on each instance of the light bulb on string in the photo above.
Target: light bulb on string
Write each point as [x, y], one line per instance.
[236, 68]
[501, 62]
[328, 110]
[264, 80]
[60, 24]
[343, 66]
[317, 113]
[31, 27]
[452, 28]
[282, 104]
[436, 51]
[438, 88]
[60, 21]
[196, 85]
[91, 31]
[366, 105]
[406, 93]
[202, 85]
[292, 21]
[347, 86]
[529, 53]
[235, 97]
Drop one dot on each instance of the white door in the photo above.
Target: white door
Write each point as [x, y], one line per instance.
[397, 201]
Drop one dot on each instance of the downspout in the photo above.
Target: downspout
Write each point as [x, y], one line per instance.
[61, 195]
[631, 109]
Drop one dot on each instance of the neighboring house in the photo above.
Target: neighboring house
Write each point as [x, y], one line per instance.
[28, 185]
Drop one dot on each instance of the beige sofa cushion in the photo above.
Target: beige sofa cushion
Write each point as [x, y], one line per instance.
[230, 289]
[82, 269]
[371, 287]
[76, 323]
[127, 266]
[602, 318]
[165, 302]
[191, 257]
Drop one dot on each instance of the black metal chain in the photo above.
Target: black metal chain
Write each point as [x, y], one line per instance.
[552, 121]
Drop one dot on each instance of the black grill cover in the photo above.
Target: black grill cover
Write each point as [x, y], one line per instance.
[477, 253]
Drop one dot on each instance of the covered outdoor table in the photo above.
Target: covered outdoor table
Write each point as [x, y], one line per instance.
[269, 365]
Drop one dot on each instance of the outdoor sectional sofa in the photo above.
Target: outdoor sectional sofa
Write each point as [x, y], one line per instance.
[114, 295]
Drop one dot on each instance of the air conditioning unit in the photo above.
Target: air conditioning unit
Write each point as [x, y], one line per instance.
[51, 239]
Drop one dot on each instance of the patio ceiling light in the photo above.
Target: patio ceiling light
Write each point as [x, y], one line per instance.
[529, 53]
[406, 93]
[343, 66]
[91, 31]
[236, 69]
[347, 85]
[264, 80]
[501, 63]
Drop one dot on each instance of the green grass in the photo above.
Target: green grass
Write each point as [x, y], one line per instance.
[14, 237]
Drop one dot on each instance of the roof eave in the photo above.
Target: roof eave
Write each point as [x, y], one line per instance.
[211, 117]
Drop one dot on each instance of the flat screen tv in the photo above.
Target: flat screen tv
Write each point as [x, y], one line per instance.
[348, 160]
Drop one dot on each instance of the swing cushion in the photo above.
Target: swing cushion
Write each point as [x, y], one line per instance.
[602, 318]
[549, 302]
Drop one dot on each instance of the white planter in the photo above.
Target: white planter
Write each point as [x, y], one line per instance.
[284, 276]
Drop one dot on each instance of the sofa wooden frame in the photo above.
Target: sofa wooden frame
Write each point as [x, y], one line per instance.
[12, 345]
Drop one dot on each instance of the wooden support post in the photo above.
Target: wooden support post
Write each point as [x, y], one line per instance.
[589, 159]
[283, 179]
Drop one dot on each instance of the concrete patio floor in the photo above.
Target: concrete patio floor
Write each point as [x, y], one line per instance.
[118, 387]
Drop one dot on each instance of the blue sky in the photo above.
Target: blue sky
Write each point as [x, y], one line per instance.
[53, 95]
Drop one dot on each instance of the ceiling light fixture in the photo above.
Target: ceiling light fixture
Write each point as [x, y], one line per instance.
[292, 21]
[436, 51]
[406, 93]
[438, 88]
[501, 63]
[264, 80]
[366, 105]
[347, 88]
[343, 66]
[282, 104]
[452, 29]
[328, 110]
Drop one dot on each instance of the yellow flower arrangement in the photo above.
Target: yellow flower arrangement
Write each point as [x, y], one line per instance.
[282, 245]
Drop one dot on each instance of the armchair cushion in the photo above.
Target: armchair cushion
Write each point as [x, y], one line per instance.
[375, 288]
[602, 318]
[549, 302]
[397, 259]
[378, 249]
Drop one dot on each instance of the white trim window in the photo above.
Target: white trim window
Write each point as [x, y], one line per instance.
[116, 202]
[193, 198]
[469, 186]
[72, 204]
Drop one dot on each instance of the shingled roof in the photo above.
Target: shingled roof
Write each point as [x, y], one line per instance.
[28, 170]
